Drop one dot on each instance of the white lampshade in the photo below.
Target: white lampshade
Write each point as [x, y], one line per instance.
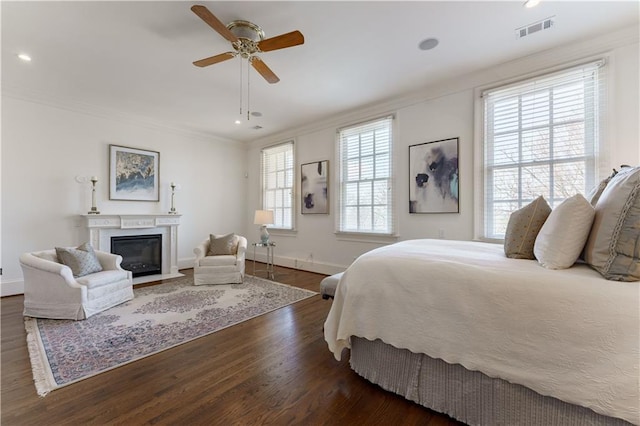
[263, 217]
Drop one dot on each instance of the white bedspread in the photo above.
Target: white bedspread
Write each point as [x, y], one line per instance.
[565, 333]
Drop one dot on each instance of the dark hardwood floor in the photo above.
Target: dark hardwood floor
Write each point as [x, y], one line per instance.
[274, 369]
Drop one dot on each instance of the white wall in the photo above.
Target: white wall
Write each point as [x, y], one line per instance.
[44, 148]
[624, 132]
[441, 111]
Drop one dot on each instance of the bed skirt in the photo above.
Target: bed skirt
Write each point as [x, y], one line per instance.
[468, 396]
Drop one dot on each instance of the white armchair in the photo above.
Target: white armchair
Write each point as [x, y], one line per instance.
[51, 290]
[219, 269]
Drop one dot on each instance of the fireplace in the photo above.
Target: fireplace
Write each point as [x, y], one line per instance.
[100, 228]
[141, 254]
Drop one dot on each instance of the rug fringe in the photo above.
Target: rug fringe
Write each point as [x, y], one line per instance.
[41, 373]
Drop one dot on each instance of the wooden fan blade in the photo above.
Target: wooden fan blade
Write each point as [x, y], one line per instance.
[293, 38]
[214, 59]
[214, 22]
[264, 70]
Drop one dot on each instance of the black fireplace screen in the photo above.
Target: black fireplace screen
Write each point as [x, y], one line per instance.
[141, 254]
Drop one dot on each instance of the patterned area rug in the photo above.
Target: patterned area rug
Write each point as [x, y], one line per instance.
[158, 318]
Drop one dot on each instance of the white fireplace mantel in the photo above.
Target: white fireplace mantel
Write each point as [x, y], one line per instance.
[101, 227]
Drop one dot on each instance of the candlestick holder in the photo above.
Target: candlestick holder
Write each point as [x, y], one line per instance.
[94, 209]
[173, 194]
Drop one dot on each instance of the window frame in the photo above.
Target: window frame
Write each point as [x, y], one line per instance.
[350, 234]
[264, 190]
[594, 160]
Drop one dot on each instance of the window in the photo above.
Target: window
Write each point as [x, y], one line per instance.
[365, 201]
[540, 138]
[277, 183]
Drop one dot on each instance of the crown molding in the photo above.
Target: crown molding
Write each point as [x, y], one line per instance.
[536, 62]
[110, 114]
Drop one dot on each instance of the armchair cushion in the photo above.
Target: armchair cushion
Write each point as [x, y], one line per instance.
[82, 260]
[102, 278]
[224, 260]
[222, 245]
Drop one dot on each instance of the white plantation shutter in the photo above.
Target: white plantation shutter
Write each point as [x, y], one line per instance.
[541, 137]
[366, 196]
[277, 183]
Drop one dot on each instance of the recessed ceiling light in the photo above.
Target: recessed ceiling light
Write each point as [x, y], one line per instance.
[531, 3]
[428, 44]
[238, 122]
[24, 57]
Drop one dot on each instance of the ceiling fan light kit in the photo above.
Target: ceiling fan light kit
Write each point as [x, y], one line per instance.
[248, 34]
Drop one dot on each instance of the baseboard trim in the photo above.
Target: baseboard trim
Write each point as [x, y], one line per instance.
[293, 263]
[287, 262]
[186, 263]
[11, 288]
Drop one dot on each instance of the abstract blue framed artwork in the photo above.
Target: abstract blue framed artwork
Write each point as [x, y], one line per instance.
[315, 187]
[133, 174]
[433, 177]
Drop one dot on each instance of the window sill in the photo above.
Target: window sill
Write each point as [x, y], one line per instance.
[282, 232]
[489, 240]
[362, 237]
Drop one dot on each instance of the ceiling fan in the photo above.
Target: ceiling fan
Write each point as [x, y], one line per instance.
[247, 40]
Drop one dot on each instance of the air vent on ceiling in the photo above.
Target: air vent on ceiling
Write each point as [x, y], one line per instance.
[545, 24]
[257, 127]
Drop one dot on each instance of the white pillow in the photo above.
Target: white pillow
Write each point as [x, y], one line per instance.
[564, 233]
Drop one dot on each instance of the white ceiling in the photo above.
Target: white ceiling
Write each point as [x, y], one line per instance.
[135, 58]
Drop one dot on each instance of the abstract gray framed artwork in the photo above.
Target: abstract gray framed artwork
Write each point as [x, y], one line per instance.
[133, 174]
[315, 187]
[434, 177]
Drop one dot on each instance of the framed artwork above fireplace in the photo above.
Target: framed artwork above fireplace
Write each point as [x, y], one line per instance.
[134, 174]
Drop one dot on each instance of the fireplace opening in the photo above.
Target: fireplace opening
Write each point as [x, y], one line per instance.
[141, 254]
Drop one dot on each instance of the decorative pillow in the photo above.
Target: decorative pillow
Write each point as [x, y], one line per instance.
[222, 245]
[523, 227]
[82, 260]
[564, 233]
[594, 195]
[613, 247]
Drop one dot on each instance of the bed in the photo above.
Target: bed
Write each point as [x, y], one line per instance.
[458, 327]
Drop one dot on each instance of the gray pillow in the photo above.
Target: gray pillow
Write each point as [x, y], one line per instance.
[82, 260]
[613, 247]
[523, 227]
[223, 245]
[594, 195]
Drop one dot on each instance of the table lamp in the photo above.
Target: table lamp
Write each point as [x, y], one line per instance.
[263, 218]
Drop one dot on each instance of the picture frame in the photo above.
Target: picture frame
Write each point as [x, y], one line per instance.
[434, 177]
[134, 174]
[314, 184]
